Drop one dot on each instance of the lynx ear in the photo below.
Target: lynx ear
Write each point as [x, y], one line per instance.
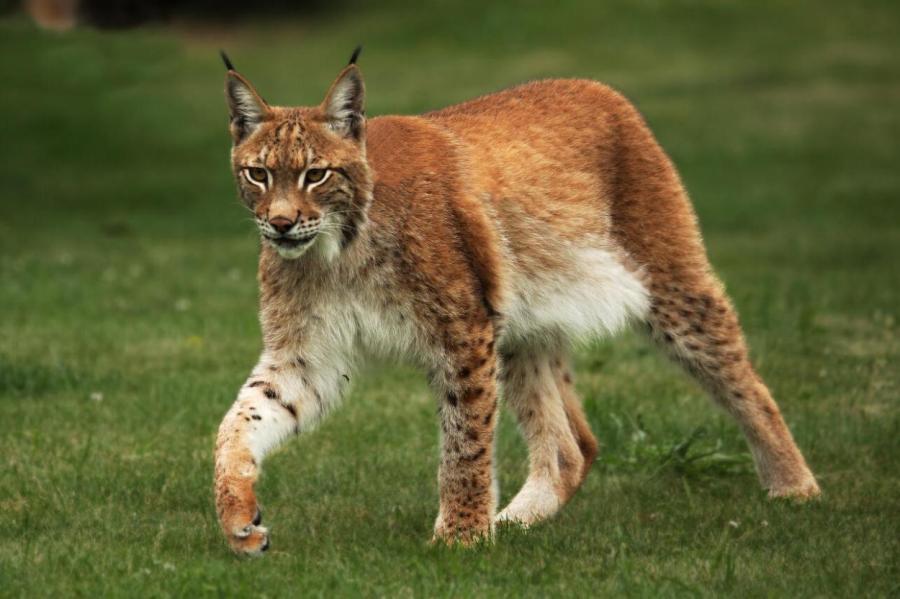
[344, 105]
[246, 107]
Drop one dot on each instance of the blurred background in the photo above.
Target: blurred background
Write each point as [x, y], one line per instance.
[128, 300]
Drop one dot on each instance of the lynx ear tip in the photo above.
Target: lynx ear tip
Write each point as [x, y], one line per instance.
[228, 64]
[355, 56]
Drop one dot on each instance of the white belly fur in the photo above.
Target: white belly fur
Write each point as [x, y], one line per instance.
[596, 296]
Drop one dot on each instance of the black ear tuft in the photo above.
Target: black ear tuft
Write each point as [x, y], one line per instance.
[355, 55]
[227, 61]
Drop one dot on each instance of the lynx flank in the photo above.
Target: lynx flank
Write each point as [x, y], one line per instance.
[481, 242]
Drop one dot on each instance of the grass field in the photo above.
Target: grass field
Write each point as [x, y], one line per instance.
[128, 298]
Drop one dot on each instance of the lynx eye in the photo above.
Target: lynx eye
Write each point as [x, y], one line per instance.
[257, 174]
[314, 175]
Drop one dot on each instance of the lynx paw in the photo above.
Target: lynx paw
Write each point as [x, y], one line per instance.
[250, 539]
[464, 533]
[801, 492]
[536, 501]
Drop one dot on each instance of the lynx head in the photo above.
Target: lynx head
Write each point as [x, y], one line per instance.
[302, 171]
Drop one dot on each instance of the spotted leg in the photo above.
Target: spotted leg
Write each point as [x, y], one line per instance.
[696, 324]
[468, 396]
[278, 400]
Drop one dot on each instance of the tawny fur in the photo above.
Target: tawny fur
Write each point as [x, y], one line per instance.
[480, 241]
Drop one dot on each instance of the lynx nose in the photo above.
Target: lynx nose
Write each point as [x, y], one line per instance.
[281, 224]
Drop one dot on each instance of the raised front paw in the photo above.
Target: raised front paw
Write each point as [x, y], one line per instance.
[247, 536]
[240, 516]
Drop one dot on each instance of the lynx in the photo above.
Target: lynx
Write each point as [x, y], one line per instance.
[480, 242]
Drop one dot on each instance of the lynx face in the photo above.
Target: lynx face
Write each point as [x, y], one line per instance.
[302, 171]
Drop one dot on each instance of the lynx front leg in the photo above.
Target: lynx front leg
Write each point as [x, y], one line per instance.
[468, 408]
[276, 402]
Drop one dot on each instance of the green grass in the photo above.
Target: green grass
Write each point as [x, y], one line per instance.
[128, 298]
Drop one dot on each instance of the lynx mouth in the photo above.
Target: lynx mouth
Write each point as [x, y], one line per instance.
[291, 243]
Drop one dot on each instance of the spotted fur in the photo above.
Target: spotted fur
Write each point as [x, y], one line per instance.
[479, 242]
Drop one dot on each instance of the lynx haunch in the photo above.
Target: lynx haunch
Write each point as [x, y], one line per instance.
[481, 242]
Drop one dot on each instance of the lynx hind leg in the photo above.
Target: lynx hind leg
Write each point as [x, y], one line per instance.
[554, 432]
[698, 327]
[584, 437]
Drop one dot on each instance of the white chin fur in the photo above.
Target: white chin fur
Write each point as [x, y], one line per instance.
[327, 246]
